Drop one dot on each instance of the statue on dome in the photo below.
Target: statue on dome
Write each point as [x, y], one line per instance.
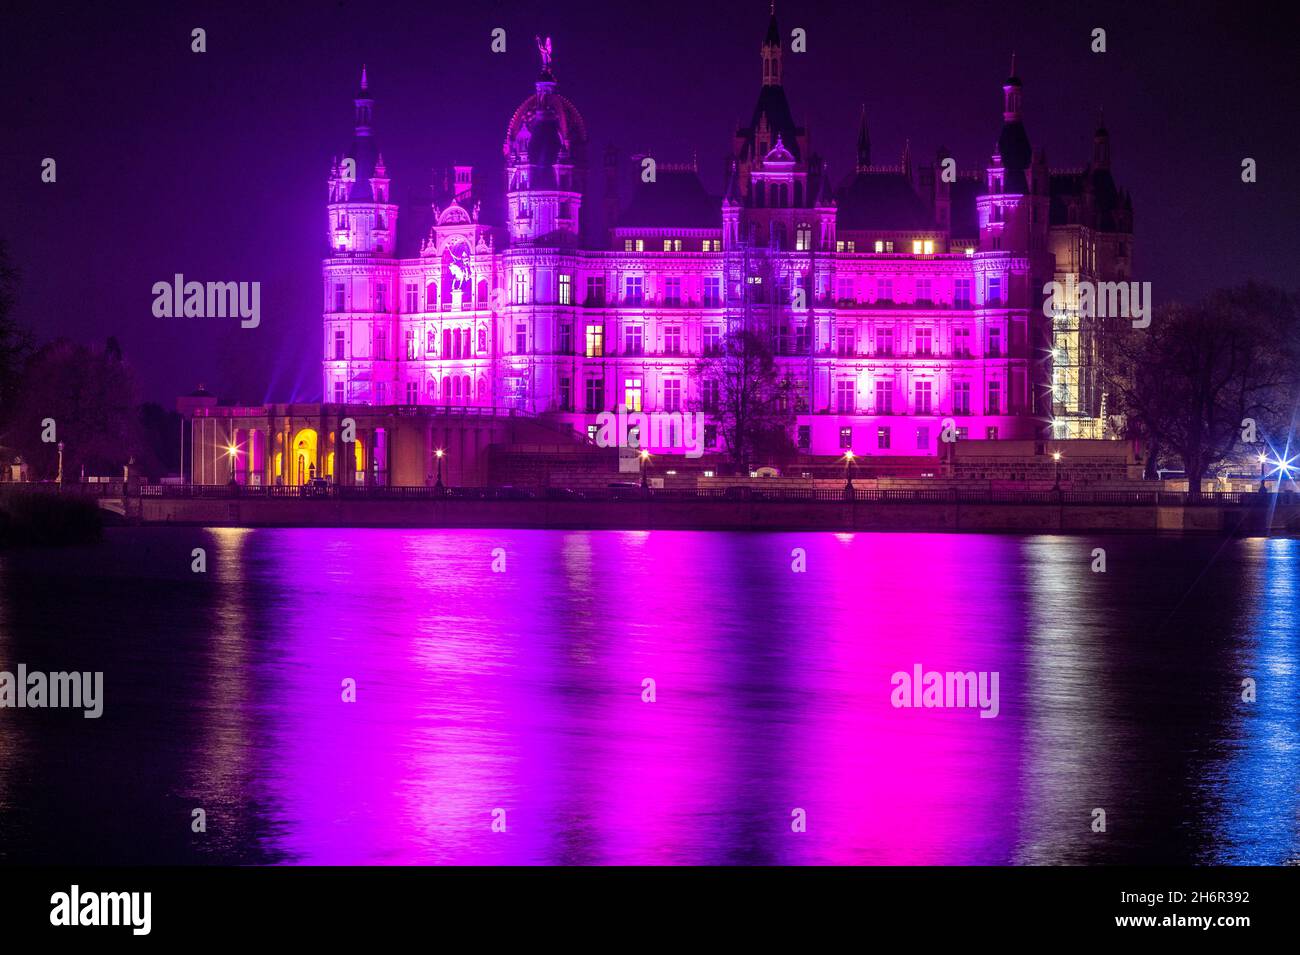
[544, 48]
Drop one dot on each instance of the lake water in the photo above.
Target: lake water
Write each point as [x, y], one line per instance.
[521, 689]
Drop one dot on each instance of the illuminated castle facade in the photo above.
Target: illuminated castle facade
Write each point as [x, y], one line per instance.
[894, 299]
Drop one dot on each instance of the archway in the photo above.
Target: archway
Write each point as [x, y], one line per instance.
[303, 459]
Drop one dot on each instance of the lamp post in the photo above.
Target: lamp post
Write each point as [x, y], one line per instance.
[848, 475]
[1056, 460]
[59, 478]
[645, 475]
[438, 485]
[1263, 474]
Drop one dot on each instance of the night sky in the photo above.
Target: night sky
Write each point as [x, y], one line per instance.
[214, 165]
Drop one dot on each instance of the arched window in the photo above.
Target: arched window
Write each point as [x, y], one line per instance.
[482, 341]
[446, 388]
[431, 297]
[455, 343]
[482, 388]
[466, 390]
[455, 387]
[446, 343]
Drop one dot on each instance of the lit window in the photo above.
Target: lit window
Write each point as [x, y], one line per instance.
[566, 289]
[928, 246]
[595, 341]
[880, 246]
[916, 246]
[640, 245]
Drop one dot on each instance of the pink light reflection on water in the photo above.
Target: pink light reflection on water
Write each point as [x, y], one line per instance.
[523, 690]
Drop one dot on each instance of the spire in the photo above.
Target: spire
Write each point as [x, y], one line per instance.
[864, 142]
[364, 106]
[1101, 144]
[771, 52]
[907, 156]
[1011, 93]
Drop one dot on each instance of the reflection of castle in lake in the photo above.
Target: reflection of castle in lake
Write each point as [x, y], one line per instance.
[893, 299]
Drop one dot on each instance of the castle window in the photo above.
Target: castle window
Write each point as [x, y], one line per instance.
[916, 246]
[995, 292]
[595, 341]
[882, 439]
[482, 341]
[628, 245]
[632, 394]
[381, 344]
[712, 291]
[595, 388]
[884, 397]
[410, 345]
[566, 339]
[923, 392]
[995, 343]
[924, 290]
[340, 298]
[961, 342]
[381, 297]
[640, 245]
[566, 289]
[846, 438]
[844, 341]
[673, 291]
[712, 339]
[927, 247]
[880, 246]
[595, 290]
[521, 287]
[884, 290]
[673, 340]
[412, 392]
[521, 339]
[412, 298]
[923, 439]
[340, 346]
[961, 397]
[340, 392]
[844, 396]
[566, 393]
[961, 293]
[633, 290]
[803, 237]
[995, 399]
[632, 340]
[672, 394]
[709, 394]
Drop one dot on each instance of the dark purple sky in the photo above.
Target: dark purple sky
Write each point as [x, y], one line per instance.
[214, 165]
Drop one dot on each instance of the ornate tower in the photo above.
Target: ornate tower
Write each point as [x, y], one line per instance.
[360, 270]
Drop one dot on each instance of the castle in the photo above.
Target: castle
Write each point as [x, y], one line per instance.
[896, 302]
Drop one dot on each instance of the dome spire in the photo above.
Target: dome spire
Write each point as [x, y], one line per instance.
[864, 142]
[364, 106]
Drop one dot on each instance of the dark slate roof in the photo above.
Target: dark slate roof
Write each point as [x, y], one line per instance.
[879, 200]
[1016, 153]
[965, 220]
[365, 151]
[773, 37]
[1096, 194]
[780, 120]
[674, 200]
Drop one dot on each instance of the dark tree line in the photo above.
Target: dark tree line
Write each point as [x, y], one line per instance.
[1202, 377]
[89, 393]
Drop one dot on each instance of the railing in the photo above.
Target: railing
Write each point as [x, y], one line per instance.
[633, 491]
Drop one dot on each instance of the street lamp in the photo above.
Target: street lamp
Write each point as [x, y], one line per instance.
[848, 474]
[1263, 474]
[438, 486]
[1056, 460]
[59, 479]
[645, 476]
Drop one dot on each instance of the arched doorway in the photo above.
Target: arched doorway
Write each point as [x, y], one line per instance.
[303, 460]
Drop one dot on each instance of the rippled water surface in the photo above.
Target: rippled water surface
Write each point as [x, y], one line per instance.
[522, 691]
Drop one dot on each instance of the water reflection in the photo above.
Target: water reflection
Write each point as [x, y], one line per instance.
[503, 670]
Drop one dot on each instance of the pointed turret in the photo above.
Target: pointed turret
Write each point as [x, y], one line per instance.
[864, 142]
[771, 52]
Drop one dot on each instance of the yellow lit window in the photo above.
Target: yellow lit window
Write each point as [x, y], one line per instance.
[916, 246]
[929, 247]
[880, 246]
[640, 245]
